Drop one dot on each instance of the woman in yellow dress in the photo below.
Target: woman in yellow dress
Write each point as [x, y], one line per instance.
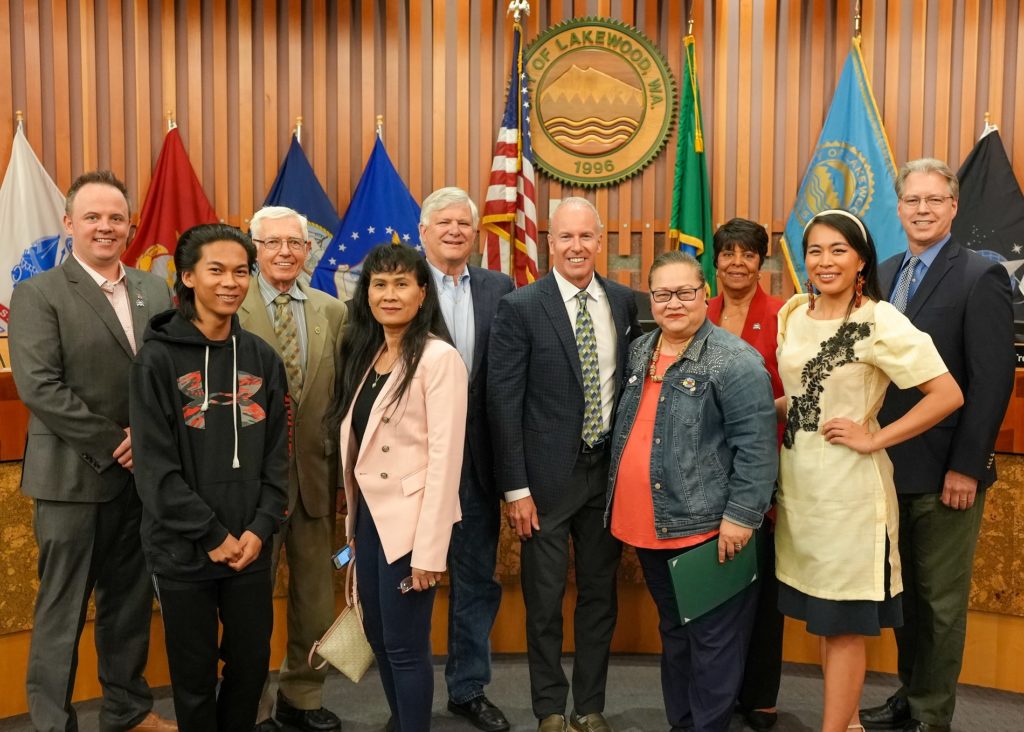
[840, 346]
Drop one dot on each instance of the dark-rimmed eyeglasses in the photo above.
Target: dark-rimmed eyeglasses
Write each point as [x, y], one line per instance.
[685, 294]
[272, 245]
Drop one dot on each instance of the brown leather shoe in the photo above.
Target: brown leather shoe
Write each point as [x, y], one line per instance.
[594, 722]
[552, 723]
[153, 723]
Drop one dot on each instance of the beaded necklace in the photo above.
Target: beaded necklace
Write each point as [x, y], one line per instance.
[657, 353]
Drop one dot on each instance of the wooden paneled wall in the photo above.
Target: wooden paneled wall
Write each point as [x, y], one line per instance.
[96, 78]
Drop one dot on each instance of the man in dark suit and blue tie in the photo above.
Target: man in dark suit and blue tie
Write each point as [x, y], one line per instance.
[963, 301]
[557, 354]
[74, 332]
[469, 298]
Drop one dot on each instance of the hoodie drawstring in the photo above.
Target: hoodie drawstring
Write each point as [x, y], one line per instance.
[206, 381]
[234, 398]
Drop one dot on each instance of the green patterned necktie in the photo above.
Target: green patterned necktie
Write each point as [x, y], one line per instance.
[586, 343]
[288, 338]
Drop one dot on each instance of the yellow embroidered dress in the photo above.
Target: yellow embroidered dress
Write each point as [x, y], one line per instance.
[836, 506]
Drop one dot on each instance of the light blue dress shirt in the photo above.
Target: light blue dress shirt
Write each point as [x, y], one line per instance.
[457, 308]
[924, 261]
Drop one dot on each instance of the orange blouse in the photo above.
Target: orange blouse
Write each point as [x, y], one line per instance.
[633, 507]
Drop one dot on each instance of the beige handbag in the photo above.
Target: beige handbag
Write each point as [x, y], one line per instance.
[344, 645]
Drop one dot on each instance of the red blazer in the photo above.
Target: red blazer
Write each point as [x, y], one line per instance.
[761, 329]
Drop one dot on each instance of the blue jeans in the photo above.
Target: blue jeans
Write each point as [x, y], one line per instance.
[397, 627]
[474, 594]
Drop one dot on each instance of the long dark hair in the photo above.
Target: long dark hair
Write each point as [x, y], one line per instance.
[189, 251]
[862, 243]
[364, 336]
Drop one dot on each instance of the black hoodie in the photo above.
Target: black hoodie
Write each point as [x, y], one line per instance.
[210, 438]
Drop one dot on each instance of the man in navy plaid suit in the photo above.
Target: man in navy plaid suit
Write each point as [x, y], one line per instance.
[551, 413]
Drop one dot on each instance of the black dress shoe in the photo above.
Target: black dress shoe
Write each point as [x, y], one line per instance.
[267, 725]
[482, 713]
[760, 721]
[309, 720]
[894, 714]
[914, 726]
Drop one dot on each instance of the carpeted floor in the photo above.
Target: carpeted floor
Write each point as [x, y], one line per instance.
[634, 701]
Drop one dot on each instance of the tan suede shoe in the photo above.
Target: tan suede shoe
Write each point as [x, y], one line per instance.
[552, 723]
[152, 723]
[589, 723]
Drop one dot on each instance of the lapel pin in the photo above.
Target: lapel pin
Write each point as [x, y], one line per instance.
[756, 326]
[139, 302]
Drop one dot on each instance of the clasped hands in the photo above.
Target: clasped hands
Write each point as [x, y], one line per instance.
[237, 553]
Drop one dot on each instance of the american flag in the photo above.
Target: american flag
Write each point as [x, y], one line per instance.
[510, 208]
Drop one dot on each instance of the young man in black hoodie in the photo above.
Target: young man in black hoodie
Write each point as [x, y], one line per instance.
[210, 425]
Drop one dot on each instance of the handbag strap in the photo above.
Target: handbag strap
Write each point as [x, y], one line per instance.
[352, 590]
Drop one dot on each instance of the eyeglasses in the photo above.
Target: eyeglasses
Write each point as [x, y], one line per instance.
[930, 201]
[685, 294]
[272, 245]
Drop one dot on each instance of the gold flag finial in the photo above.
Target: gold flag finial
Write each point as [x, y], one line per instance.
[517, 8]
[380, 126]
[856, 20]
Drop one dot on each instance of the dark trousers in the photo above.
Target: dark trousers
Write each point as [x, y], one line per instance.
[190, 612]
[544, 563]
[82, 547]
[937, 553]
[474, 595]
[397, 627]
[702, 661]
[763, 673]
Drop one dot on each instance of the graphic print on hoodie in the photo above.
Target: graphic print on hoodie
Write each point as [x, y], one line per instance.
[210, 432]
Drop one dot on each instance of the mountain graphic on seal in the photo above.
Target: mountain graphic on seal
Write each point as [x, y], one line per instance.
[589, 112]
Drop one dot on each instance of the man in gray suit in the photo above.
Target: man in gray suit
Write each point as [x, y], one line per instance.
[304, 326]
[74, 332]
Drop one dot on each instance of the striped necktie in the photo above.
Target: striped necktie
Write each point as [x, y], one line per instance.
[901, 293]
[586, 343]
[288, 339]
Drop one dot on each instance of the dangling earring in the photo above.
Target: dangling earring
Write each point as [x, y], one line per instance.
[810, 295]
[859, 290]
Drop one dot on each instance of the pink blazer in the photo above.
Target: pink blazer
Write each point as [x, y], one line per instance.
[408, 467]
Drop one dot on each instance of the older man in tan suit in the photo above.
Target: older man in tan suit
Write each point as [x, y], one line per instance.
[304, 327]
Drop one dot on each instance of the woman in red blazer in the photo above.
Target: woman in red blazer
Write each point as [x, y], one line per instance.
[746, 310]
[400, 399]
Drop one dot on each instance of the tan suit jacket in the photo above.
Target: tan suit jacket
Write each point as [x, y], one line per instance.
[408, 467]
[313, 473]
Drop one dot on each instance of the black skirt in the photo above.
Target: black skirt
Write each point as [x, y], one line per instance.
[843, 617]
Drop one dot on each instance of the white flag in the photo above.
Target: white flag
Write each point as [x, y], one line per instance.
[31, 217]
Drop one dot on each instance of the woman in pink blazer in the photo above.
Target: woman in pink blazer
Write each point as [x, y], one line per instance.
[400, 399]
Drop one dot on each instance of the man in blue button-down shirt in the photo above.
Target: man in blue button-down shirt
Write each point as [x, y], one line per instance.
[469, 298]
[962, 300]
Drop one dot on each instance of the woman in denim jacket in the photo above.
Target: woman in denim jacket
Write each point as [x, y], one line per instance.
[694, 460]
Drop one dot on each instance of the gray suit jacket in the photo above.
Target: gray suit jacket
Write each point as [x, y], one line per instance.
[313, 474]
[70, 359]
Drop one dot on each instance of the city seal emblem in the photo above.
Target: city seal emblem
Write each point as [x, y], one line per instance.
[604, 101]
[838, 176]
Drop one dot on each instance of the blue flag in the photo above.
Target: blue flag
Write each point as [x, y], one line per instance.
[381, 211]
[297, 187]
[852, 168]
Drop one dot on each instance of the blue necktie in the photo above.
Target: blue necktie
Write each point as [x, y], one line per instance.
[900, 293]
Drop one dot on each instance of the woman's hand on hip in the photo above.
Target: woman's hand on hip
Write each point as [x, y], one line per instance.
[842, 431]
[732, 538]
[423, 579]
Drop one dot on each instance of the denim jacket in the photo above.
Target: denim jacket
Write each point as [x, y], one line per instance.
[715, 450]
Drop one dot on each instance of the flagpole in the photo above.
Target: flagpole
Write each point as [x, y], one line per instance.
[298, 130]
[19, 121]
[856, 19]
[380, 127]
[170, 120]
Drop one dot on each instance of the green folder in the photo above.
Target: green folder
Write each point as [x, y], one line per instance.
[701, 584]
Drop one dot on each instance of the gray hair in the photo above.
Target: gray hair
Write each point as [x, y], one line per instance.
[276, 213]
[444, 198]
[579, 202]
[927, 165]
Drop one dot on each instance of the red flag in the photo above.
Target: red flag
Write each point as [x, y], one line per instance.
[175, 202]
[510, 208]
